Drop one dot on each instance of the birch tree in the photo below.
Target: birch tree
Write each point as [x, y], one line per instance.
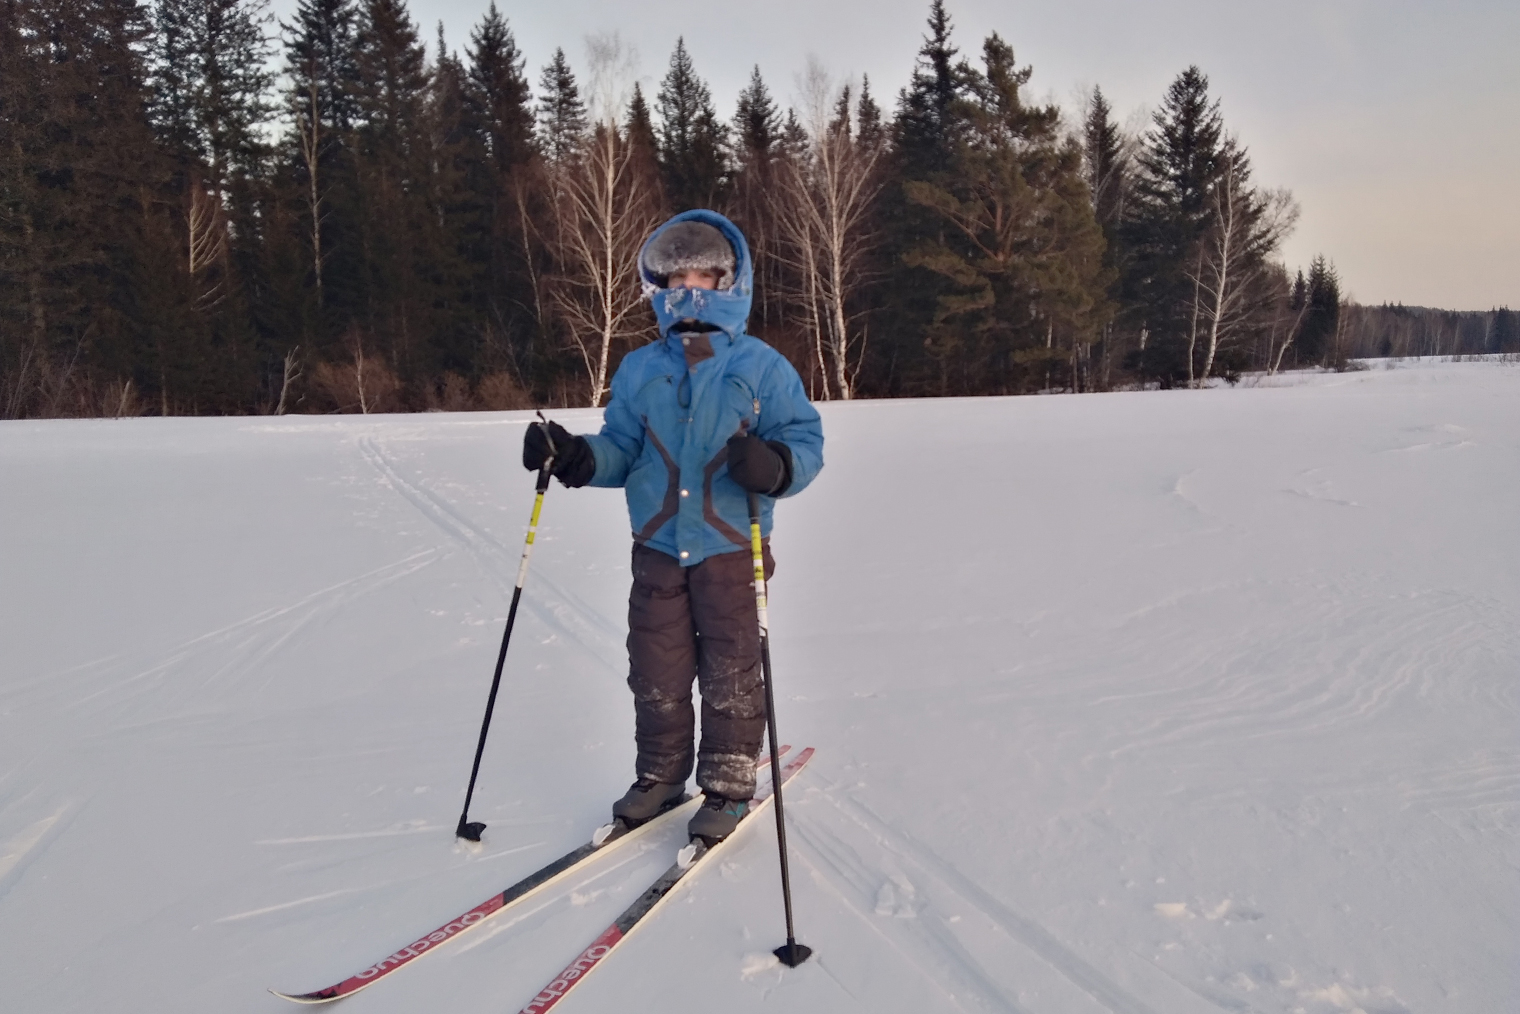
[604, 208]
[1246, 227]
[828, 192]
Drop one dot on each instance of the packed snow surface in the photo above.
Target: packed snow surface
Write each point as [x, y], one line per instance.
[1143, 703]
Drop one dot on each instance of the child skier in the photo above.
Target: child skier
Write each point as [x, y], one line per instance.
[696, 421]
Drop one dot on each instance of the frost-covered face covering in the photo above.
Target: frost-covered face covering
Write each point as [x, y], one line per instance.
[698, 241]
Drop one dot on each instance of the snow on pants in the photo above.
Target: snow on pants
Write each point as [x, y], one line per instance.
[699, 623]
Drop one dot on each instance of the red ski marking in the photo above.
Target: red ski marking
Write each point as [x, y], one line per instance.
[550, 994]
[632, 917]
[410, 952]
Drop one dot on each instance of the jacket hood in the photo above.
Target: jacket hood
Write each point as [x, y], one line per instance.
[726, 309]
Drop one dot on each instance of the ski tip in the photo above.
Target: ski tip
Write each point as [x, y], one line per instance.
[321, 997]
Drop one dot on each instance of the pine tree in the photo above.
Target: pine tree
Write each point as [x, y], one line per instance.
[691, 139]
[561, 113]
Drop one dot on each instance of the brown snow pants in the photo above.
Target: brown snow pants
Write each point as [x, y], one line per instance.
[699, 623]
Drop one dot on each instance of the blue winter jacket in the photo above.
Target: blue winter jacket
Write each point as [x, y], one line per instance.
[665, 432]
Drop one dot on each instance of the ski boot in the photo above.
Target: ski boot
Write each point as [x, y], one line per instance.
[647, 799]
[717, 818]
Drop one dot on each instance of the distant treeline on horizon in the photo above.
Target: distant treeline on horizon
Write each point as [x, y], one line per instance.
[184, 231]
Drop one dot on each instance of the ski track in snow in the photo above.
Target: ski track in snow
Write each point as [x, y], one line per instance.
[24, 847]
[555, 606]
[880, 871]
[214, 660]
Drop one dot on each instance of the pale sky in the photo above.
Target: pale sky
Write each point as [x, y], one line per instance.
[1395, 124]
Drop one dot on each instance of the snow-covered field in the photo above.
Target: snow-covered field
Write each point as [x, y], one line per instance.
[1143, 703]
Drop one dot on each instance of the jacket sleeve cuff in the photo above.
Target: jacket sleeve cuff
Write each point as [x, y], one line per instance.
[784, 482]
[611, 466]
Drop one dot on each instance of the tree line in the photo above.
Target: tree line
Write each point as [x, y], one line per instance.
[202, 211]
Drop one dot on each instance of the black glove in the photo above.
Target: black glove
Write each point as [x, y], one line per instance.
[760, 466]
[574, 461]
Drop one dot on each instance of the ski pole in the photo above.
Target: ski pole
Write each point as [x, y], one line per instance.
[791, 953]
[467, 828]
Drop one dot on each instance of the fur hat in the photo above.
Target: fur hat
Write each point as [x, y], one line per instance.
[690, 246]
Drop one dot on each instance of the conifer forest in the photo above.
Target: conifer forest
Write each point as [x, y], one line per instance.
[204, 211]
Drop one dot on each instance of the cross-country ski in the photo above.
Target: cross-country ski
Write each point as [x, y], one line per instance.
[649, 902]
[605, 839]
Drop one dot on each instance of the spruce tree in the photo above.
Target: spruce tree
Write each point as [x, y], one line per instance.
[928, 137]
[1017, 249]
[644, 145]
[213, 92]
[509, 189]
[561, 113]
[1105, 162]
[757, 123]
[756, 139]
[1168, 212]
[691, 139]
[499, 91]
[927, 124]
[638, 125]
[320, 58]
[322, 74]
[840, 122]
[393, 157]
[868, 116]
[794, 136]
[212, 86]
[89, 250]
[455, 234]
[1315, 343]
[392, 84]
[1504, 331]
